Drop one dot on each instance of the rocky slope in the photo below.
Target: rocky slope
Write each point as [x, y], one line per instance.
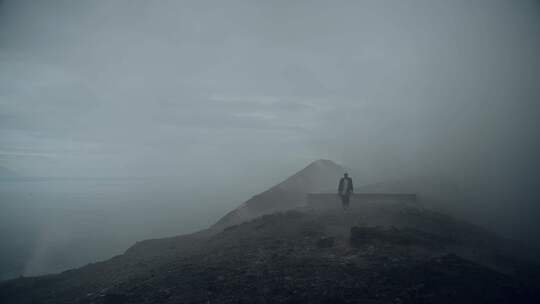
[376, 253]
[275, 249]
[319, 176]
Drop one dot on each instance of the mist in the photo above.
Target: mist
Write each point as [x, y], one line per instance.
[157, 117]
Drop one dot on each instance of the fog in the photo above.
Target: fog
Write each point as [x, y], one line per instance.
[157, 117]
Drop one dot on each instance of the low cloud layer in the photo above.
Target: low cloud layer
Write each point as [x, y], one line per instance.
[253, 90]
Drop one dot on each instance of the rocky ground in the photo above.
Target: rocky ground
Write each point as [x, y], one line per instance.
[385, 254]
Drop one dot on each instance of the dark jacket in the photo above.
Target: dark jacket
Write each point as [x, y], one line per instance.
[350, 187]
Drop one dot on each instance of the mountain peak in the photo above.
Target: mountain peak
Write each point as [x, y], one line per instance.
[319, 176]
[324, 165]
[321, 166]
[323, 161]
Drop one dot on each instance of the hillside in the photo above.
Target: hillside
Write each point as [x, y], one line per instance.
[384, 253]
[319, 176]
[276, 249]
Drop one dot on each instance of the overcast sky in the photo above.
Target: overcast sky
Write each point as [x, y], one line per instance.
[238, 89]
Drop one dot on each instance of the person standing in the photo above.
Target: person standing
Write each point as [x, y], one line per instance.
[345, 189]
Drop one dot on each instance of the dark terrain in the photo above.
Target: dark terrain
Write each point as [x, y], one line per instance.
[375, 253]
[279, 248]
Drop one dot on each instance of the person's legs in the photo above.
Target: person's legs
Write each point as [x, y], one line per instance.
[345, 202]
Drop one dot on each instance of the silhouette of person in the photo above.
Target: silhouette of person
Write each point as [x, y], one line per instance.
[345, 189]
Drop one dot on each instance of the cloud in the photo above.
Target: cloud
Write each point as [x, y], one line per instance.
[195, 82]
